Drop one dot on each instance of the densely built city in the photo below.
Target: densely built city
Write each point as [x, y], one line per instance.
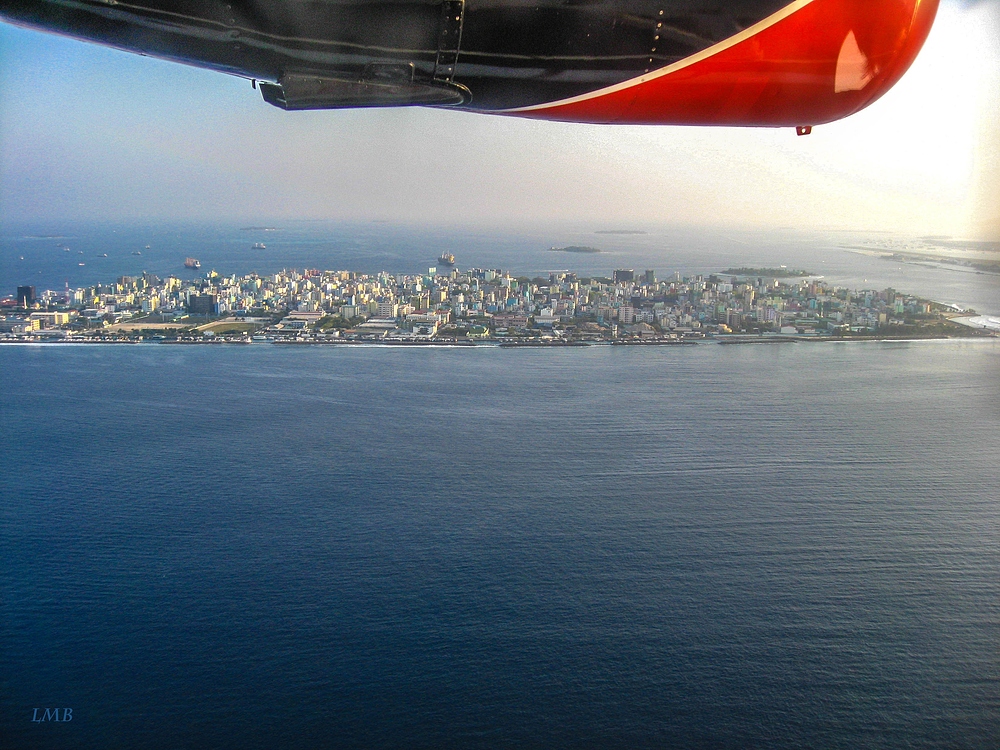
[448, 305]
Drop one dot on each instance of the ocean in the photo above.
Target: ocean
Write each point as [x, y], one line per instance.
[603, 547]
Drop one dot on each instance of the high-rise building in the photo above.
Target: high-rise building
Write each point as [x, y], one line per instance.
[25, 296]
[623, 275]
[201, 304]
[649, 277]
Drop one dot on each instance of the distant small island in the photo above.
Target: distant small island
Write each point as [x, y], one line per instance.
[620, 231]
[581, 249]
[774, 273]
[258, 229]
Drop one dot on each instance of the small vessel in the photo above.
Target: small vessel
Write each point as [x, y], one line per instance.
[147, 247]
[104, 255]
[192, 263]
[79, 264]
[137, 252]
[259, 246]
[446, 259]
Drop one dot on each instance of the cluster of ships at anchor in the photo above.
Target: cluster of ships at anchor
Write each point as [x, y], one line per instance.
[195, 263]
[445, 259]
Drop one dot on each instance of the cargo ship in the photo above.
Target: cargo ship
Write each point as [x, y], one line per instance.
[192, 263]
[446, 259]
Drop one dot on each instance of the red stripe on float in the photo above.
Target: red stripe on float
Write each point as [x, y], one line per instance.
[786, 74]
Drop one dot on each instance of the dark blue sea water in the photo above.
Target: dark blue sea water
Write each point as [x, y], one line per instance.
[36, 254]
[706, 546]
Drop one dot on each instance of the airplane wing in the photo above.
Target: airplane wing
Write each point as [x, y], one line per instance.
[765, 63]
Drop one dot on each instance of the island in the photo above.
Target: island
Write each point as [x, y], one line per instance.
[774, 273]
[620, 231]
[476, 307]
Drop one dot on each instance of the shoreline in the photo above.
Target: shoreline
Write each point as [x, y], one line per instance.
[494, 344]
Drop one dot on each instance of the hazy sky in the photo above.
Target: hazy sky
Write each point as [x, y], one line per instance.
[91, 132]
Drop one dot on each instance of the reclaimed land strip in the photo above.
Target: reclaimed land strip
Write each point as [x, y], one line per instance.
[969, 261]
[772, 273]
[578, 249]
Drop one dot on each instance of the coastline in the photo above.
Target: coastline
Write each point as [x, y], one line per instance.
[725, 340]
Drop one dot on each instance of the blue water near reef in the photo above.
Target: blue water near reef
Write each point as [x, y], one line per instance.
[35, 254]
[707, 546]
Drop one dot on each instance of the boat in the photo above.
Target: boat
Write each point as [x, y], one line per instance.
[259, 246]
[446, 259]
[137, 252]
[192, 263]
